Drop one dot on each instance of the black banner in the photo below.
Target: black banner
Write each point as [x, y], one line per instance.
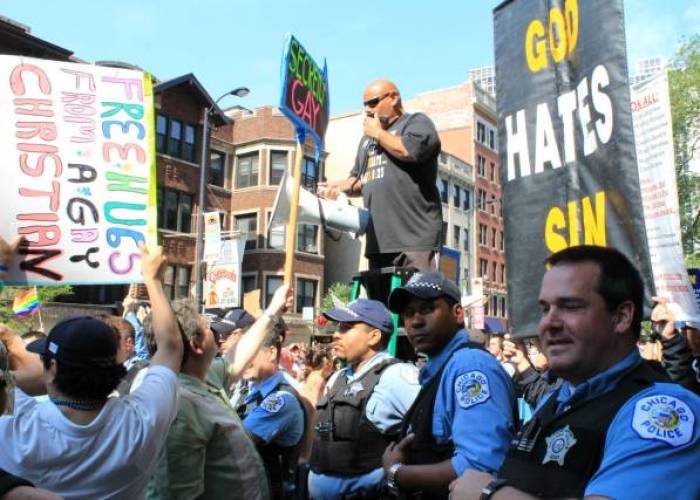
[568, 162]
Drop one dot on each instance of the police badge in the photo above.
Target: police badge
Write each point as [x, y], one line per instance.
[558, 444]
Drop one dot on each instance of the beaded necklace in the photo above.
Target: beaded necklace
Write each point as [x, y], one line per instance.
[77, 405]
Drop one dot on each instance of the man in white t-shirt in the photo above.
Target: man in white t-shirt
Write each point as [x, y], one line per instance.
[82, 444]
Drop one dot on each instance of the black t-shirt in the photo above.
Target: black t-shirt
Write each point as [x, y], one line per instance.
[402, 196]
[9, 482]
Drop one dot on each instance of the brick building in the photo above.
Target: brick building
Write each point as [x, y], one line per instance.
[262, 146]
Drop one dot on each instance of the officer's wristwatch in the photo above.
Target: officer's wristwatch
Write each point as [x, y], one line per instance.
[491, 488]
[391, 477]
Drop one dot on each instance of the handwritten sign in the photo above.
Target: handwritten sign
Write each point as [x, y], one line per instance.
[304, 91]
[78, 167]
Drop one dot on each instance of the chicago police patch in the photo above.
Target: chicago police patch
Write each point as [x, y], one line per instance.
[273, 403]
[472, 388]
[663, 418]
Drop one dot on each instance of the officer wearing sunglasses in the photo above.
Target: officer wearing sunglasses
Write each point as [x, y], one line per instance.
[395, 172]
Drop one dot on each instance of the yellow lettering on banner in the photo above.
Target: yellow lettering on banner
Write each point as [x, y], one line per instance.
[535, 48]
[561, 34]
[594, 228]
[594, 223]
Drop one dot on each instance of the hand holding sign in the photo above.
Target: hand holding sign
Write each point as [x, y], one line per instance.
[153, 263]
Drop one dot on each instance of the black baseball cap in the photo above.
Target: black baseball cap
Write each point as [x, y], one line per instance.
[430, 285]
[371, 312]
[82, 339]
[232, 320]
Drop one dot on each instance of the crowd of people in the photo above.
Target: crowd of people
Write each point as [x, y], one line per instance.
[170, 403]
[163, 402]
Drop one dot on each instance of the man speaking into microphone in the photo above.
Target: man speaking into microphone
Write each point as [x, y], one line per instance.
[395, 172]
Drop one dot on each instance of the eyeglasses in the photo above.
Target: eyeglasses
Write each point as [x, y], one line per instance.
[372, 103]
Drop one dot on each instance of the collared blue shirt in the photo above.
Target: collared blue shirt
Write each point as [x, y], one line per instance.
[393, 395]
[279, 418]
[474, 406]
[652, 445]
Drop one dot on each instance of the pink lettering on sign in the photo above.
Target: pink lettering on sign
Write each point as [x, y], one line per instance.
[304, 106]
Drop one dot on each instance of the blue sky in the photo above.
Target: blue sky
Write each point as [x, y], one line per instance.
[419, 44]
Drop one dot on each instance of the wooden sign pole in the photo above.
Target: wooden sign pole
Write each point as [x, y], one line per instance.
[291, 234]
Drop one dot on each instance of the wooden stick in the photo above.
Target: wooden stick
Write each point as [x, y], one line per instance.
[291, 235]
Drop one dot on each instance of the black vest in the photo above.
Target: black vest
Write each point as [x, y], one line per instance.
[280, 461]
[586, 422]
[346, 443]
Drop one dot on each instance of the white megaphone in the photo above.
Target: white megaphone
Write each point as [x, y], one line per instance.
[338, 215]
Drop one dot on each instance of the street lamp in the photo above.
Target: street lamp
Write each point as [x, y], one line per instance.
[238, 92]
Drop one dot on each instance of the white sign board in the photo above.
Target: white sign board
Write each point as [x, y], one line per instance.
[651, 112]
[222, 287]
[78, 166]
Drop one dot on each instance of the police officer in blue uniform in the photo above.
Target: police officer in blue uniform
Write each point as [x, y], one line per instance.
[616, 428]
[362, 409]
[464, 416]
[273, 414]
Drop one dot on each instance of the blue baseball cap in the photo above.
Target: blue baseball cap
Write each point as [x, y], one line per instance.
[371, 312]
[234, 319]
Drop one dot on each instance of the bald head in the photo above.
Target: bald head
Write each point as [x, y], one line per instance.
[381, 97]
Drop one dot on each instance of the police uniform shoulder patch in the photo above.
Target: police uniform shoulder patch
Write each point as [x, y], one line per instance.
[273, 403]
[472, 388]
[664, 418]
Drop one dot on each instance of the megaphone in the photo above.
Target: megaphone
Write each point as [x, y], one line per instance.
[332, 214]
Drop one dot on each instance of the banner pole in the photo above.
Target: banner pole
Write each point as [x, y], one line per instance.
[41, 322]
[291, 235]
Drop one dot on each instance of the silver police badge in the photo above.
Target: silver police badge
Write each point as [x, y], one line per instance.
[558, 444]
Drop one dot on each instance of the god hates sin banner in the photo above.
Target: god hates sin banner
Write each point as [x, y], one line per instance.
[567, 148]
[77, 158]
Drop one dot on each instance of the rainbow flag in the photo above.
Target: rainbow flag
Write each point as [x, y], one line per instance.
[26, 303]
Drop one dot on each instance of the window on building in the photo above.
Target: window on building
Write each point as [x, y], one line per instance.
[175, 138]
[492, 169]
[247, 227]
[443, 236]
[443, 191]
[466, 239]
[483, 235]
[501, 242]
[309, 174]
[484, 268]
[176, 282]
[247, 171]
[275, 235]
[272, 283]
[494, 272]
[503, 273]
[504, 307]
[456, 233]
[188, 146]
[487, 303]
[174, 210]
[482, 199]
[481, 132]
[481, 165]
[217, 168]
[278, 166]
[494, 305]
[457, 198]
[306, 294]
[161, 132]
[307, 238]
[249, 283]
[466, 202]
[494, 234]
[492, 138]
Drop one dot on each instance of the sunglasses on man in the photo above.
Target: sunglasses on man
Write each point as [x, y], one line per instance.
[372, 103]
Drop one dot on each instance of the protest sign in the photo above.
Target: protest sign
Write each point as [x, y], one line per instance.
[568, 162]
[305, 98]
[653, 133]
[223, 283]
[694, 278]
[78, 162]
